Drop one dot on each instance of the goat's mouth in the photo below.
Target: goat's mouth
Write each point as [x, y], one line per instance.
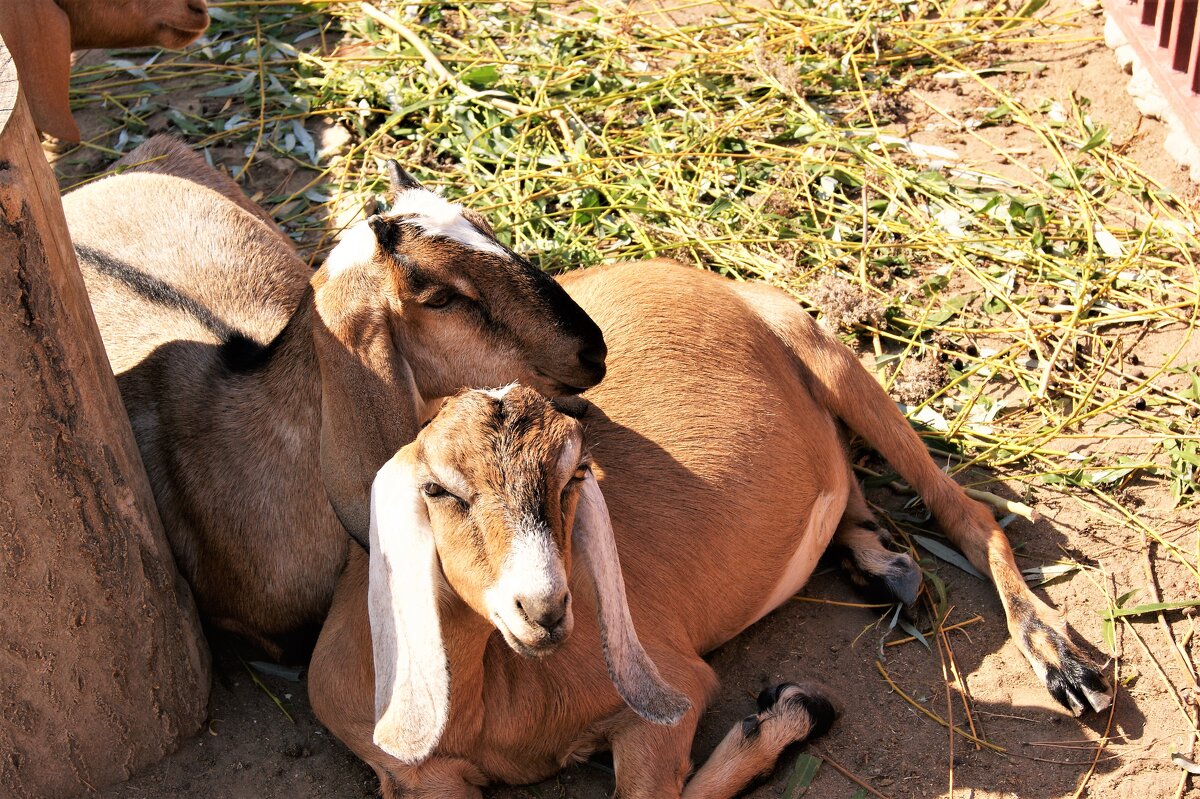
[175, 37]
[556, 387]
[543, 646]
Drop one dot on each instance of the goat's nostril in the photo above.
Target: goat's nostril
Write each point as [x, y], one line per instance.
[593, 355]
[544, 612]
[198, 6]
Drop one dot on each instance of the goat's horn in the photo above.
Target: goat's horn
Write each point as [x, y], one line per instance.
[399, 179]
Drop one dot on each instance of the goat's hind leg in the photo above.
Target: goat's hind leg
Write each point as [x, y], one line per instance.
[787, 714]
[849, 392]
[859, 545]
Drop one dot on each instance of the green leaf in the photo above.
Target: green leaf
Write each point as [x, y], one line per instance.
[803, 774]
[909, 628]
[1153, 607]
[1109, 633]
[481, 77]
[947, 554]
[241, 87]
[1097, 138]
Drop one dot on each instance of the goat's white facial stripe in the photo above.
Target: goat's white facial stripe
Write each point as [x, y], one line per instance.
[437, 216]
[357, 247]
[532, 568]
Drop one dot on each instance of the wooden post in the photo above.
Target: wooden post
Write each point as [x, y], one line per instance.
[103, 667]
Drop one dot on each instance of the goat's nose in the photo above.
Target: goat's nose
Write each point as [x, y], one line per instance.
[545, 611]
[198, 6]
[593, 355]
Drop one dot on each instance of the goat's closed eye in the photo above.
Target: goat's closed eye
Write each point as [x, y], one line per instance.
[435, 491]
[440, 299]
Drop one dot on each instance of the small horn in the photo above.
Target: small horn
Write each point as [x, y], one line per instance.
[399, 179]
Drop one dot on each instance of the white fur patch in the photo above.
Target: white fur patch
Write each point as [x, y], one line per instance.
[356, 247]
[532, 568]
[497, 393]
[437, 216]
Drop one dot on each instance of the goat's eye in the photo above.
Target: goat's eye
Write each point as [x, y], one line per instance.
[581, 471]
[439, 299]
[433, 490]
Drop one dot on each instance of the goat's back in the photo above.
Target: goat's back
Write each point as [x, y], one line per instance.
[167, 258]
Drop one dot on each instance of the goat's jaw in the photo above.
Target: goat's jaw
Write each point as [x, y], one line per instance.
[171, 37]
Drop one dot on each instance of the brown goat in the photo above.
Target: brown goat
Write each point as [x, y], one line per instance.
[42, 33]
[716, 439]
[264, 397]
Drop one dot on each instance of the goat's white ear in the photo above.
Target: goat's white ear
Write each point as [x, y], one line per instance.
[38, 34]
[412, 682]
[368, 395]
[634, 675]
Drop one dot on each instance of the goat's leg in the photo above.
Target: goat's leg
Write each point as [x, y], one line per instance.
[878, 571]
[788, 714]
[840, 383]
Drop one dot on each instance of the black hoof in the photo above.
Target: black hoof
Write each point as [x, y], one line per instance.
[1078, 686]
[903, 579]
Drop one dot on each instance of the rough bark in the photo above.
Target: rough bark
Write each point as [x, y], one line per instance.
[103, 667]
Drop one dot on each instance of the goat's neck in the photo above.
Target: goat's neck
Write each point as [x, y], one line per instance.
[289, 381]
[465, 636]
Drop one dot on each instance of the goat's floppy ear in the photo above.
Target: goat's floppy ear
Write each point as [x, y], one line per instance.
[368, 395]
[412, 683]
[38, 34]
[634, 675]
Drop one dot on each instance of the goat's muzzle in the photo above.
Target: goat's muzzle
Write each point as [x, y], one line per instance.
[535, 626]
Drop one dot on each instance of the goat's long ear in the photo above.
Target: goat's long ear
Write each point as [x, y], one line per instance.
[368, 396]
[412, 684]
[38, 34]
[634, 675]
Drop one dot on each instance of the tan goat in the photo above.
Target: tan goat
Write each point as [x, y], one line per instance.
[42, 33]
[716, 440]
[264, 397]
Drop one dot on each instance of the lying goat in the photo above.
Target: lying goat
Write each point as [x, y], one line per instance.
[264, 397]
[716, 439]
[41, 34]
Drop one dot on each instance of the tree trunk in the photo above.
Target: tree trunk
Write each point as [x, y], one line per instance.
[103, 667]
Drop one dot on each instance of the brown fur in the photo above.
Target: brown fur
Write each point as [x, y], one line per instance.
[42, 33]
[245, 462]
[716, 436]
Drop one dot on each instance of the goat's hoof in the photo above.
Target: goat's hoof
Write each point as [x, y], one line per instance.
[1074, 682]
[902, 578]
[787, 698]
[1078, 685]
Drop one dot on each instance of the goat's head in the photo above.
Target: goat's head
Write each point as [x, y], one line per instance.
[42, 33]
[135, 23]
[489, 502]
[417, 303]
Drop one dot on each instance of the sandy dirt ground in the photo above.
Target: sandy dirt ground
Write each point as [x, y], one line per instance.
[252, 749]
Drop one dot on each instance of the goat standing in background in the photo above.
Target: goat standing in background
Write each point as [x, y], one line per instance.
[41, 34]
[264, 397]
[716, 437]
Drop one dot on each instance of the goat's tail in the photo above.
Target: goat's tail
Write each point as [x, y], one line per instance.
[840, 384]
